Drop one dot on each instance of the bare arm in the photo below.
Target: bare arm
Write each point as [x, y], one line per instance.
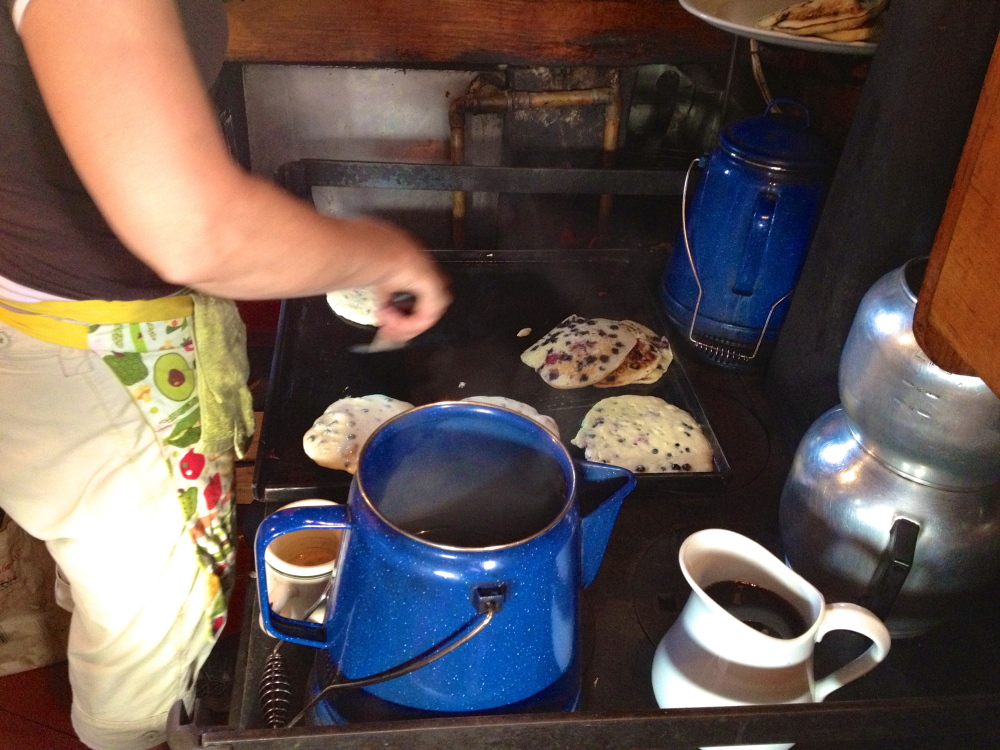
[124, 95]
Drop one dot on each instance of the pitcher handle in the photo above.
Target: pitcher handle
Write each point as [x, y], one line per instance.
[597, 522]
[277, 524]
[845, 616]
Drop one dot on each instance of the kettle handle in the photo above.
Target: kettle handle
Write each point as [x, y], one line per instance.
[277, 524]
[784, 101]
[893, 568]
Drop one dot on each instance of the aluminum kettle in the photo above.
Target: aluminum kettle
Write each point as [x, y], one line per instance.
[893, 497]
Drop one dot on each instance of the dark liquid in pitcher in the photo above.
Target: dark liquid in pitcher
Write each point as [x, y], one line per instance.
[494, 495]
[759, 608]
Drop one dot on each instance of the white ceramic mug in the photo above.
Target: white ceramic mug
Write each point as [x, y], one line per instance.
[709, 657]
[299, 565]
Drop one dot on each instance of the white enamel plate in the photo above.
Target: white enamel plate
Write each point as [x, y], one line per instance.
[740, 17]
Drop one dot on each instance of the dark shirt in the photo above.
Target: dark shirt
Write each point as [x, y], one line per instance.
[53, 238]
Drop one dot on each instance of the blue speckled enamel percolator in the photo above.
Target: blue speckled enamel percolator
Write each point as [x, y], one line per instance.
[458, 511]
[745, 232]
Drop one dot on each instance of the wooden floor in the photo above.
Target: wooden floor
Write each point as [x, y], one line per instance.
[35, 705]
[34, 711]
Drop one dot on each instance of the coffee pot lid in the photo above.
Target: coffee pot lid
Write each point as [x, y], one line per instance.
[779, 138]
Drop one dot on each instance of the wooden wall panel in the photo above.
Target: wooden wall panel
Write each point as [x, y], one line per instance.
[957, 321]
[469, 32]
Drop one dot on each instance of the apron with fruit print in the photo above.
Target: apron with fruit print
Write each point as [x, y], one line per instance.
[156, 363]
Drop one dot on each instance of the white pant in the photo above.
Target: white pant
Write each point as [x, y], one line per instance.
[81, 469]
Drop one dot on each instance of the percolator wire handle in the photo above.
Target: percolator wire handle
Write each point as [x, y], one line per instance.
[717, 350]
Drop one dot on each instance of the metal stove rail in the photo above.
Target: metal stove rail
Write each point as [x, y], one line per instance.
[301, 176]
[965, 721]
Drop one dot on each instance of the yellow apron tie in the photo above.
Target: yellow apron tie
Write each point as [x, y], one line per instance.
[227, 419]
[66, 322]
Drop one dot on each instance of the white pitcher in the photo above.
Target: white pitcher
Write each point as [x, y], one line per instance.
[709, 657]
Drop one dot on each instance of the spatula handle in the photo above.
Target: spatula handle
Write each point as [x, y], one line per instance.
[403, 301]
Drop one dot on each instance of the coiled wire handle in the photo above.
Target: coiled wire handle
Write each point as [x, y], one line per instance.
[275, 691]
[275, 688]
[724, 353]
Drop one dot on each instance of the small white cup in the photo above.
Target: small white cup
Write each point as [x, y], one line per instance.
[299, 565]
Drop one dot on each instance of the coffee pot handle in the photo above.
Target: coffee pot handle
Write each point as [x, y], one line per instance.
[277, 524]
[845, 616]
[761, 221]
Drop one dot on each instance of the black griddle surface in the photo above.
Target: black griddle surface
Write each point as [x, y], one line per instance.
[473, 351]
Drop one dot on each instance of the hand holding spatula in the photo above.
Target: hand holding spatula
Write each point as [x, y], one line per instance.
[402, 302]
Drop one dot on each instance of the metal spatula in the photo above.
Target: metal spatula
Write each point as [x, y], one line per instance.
[402, 301]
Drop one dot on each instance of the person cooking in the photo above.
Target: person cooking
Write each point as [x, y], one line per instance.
[126, 229]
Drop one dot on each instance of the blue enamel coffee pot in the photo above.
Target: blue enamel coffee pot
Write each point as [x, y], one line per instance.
[745, 232]
[465, 550]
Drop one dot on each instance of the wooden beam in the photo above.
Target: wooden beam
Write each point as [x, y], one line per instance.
[469, 32]
[957, 321]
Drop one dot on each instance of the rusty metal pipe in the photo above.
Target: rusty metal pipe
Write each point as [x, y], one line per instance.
[612, 120]
[457, 124]
[576, 98]
[501, 101]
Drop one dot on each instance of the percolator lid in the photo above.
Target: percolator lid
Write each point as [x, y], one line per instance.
[780, 138]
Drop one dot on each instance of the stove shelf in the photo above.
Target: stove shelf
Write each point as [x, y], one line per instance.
[941, 690]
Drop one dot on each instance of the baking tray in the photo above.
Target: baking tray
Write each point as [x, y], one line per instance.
[474, 350]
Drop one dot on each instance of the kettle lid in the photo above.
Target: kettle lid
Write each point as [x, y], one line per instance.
[778, 138]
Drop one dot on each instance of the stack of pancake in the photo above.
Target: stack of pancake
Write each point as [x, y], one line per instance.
[599, 352]
[837, 20]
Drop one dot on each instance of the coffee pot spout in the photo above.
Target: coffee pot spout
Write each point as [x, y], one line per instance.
[600, 491]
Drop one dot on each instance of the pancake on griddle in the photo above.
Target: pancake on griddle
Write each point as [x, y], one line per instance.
[644, 434]
[520, 407]
[641, 362]
[579, 351]
[356, 305]
[335, 439]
